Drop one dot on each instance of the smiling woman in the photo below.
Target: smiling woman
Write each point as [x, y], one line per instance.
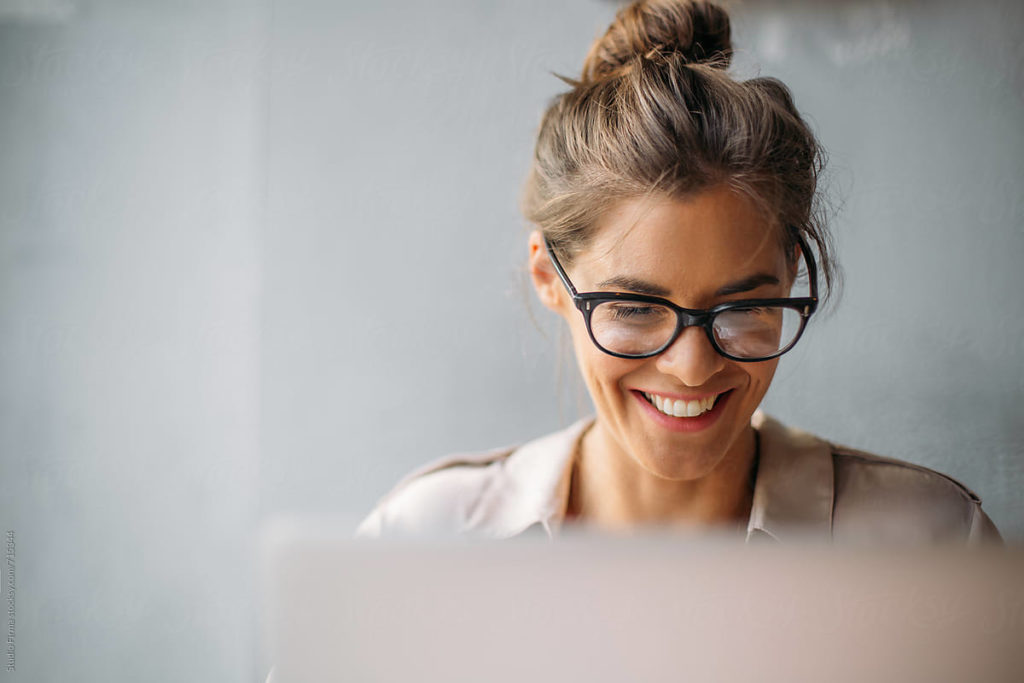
[687, 456]
[673, 207]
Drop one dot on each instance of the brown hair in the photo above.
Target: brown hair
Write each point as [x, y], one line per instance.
[655, 111]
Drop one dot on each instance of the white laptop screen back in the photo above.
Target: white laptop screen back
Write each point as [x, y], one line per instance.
[656, 607]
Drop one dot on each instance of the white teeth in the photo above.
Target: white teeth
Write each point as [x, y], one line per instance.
[680, 408]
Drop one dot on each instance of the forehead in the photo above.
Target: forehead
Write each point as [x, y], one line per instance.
[699, 242]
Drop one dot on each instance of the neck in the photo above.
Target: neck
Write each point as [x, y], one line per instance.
[611, 490]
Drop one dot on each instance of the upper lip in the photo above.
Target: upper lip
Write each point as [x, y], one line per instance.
[682, 397]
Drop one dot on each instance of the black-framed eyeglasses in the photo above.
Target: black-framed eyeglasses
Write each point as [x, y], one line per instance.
[640, 326]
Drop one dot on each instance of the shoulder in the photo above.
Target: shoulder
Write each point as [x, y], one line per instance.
[809, 486]
[436, 498]
[885, 499]
[495, 493]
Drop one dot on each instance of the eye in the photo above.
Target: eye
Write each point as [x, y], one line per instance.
[633, 312]
[624, 311]
[750, 310]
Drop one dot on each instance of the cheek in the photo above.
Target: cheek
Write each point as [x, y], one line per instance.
[601, 372]
[760, 375]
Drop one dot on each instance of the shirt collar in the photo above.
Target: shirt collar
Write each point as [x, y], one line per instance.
[793, 492]
[795, 484]
[534, 486]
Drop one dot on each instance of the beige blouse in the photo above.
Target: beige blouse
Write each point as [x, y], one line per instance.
[807, 489]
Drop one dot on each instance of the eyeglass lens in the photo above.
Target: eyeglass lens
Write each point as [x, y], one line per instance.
[636, 328]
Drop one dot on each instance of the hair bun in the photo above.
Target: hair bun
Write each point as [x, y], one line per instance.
[697, 30]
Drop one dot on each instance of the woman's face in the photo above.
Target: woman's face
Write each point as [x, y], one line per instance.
[712, 248]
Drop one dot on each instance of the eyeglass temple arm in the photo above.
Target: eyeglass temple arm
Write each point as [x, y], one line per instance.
[812, 269]
[558, 268]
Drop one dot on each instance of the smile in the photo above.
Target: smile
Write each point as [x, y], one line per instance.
[681, 408]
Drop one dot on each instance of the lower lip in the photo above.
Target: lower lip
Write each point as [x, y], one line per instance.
[684, 424]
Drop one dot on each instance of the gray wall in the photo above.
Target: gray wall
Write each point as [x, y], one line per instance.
[132, 177]
[222, 224]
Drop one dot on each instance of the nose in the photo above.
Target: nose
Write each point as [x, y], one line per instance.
[691, 358]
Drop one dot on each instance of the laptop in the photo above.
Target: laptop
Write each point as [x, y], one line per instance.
[652, 606]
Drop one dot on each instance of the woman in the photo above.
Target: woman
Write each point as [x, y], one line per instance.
[674, 207]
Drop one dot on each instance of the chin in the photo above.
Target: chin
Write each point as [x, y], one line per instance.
[684, 455]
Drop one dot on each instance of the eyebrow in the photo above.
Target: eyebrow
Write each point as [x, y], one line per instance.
[632, 284]
[747, 284]
[639, 286]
